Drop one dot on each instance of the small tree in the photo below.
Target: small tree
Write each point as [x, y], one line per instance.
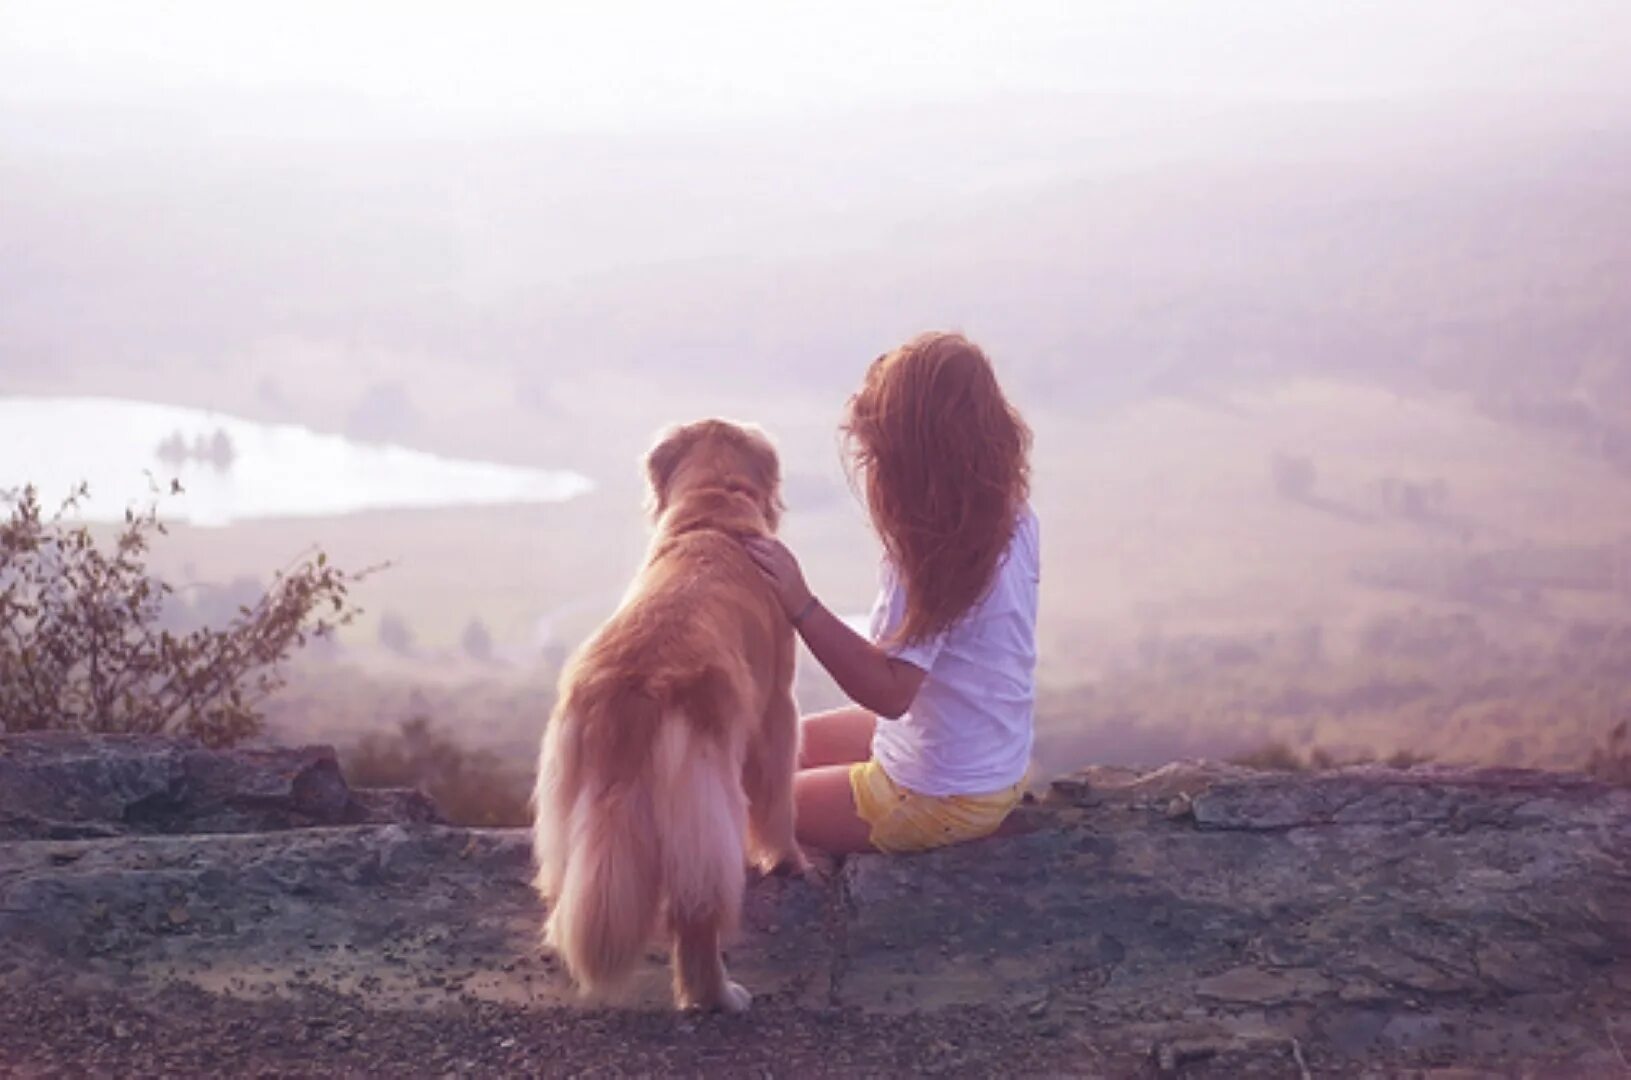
[395, 634]
[476, 641]
[1293, 476]
[472, 787]
[1611, 761]
[83, 643]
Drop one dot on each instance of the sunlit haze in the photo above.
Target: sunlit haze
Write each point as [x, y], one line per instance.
[649, 66]
[1318, 310]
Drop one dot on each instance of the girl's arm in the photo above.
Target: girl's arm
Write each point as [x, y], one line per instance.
[871, 677]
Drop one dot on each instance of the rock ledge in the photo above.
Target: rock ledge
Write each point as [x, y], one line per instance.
[1197, 920]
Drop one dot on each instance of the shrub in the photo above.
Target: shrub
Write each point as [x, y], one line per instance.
[395, 634]
[85, 644]
[472, 787]
[1278, 756]
[1612, 760]
[1273, 756]
[477, 641]
[1293, 476]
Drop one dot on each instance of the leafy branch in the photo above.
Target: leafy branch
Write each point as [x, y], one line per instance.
[83, 642]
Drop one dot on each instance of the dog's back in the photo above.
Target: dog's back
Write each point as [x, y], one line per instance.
[640, 805]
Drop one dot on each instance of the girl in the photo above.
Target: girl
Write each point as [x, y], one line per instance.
[938, 748]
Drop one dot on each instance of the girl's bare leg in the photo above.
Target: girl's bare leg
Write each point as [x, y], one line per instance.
[829, 743]
[839, 737]
[827, 821]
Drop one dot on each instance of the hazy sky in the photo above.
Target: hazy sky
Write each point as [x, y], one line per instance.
[598, 65]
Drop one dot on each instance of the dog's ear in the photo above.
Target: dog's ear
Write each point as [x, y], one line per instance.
[766, 467]
[663, 459]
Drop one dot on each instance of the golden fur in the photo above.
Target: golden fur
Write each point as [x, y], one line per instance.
[671, 750]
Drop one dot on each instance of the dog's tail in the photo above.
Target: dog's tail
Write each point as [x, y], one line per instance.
[617, 839]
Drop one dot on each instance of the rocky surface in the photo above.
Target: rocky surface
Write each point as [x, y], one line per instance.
[64, 786]
[1199, 920]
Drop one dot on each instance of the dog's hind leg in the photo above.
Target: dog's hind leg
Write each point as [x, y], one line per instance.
[702, 836]
[700, 981]
[767, 779]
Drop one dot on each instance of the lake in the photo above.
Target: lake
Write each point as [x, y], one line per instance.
[234, 469]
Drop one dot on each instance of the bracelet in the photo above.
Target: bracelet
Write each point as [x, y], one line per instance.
[804, 612]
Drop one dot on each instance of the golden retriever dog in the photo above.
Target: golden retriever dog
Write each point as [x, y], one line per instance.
[668, 762]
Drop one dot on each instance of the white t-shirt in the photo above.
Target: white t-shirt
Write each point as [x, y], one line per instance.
[969, 729]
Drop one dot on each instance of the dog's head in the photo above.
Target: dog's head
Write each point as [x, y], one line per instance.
[718, 457]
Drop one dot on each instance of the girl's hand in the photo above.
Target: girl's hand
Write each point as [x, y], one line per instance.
[781, 569]
[871, 677]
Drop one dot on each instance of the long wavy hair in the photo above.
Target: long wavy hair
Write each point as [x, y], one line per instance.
[944, 461]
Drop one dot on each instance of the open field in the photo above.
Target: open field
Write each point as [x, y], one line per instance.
[1192, 605]
[1316, 390]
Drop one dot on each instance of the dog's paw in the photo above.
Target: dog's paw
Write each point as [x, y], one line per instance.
[736, 999]
[817, 867]
[794, 865]
[778, 864]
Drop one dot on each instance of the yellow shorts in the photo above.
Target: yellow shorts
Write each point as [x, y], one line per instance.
[904, 820]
